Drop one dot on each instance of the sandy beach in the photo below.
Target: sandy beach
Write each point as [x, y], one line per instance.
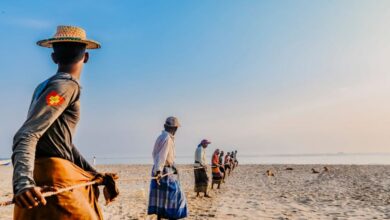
[344, 192]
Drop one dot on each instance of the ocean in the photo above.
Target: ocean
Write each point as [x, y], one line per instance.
[340, 158]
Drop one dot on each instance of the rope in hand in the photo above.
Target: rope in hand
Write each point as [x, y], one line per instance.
[48, 194]
[167, 174]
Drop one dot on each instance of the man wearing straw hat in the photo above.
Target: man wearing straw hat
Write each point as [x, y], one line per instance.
[166, 199]
[43, 152]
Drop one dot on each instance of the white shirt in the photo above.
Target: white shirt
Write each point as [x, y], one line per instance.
[200, 156]
[163, 151]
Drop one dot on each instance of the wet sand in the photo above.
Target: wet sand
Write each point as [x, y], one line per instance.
[344, 192]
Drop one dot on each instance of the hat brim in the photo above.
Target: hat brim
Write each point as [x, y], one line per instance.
[206, 142]
[90, 44]
[176, 126]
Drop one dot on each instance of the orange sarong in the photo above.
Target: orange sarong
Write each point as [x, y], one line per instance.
[80, 203]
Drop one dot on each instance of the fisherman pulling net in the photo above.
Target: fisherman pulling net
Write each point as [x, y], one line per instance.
[43, 152]
[51, 179]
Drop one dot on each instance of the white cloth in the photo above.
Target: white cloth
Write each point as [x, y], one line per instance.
[163, 151]
[200, 156]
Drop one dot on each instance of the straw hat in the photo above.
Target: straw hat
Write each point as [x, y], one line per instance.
[69, 34]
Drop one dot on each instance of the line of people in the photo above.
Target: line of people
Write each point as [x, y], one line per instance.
[44, 153]
[166, 198]
[221, 167]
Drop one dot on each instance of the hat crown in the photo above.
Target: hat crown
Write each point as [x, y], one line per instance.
[205, 141]
[172, 122]
[70, 31]
[67, 33]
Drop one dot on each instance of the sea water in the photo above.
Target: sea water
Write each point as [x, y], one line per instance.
[339, 158]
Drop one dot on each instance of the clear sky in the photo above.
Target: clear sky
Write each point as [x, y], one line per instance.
[263, 77]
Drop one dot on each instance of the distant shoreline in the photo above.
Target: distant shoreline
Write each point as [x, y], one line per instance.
[334, 159]
[266, 159]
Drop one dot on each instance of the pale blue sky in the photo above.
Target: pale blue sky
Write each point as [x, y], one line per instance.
[267, 77]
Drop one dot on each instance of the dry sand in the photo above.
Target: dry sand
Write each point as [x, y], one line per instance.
[345, 192]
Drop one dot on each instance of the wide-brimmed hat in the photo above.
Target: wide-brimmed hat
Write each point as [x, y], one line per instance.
[69, 34]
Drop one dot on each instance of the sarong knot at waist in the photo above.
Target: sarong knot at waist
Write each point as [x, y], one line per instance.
[79, 203]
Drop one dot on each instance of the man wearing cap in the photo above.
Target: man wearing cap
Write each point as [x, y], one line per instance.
[166, 199]
[200, 169]
[43, 151]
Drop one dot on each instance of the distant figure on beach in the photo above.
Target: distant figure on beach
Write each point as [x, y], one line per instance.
[227, 163]
[216, 172]
[235, 159]
[200, 171]
[166, 198]
[232, 160]
[221, 164]
[44, 156]
[94, 161]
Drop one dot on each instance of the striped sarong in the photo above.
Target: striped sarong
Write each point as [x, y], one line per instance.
[201, 180]
[167, 200]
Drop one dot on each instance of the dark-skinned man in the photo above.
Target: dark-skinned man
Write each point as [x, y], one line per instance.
[44, 157]
[166, 198]
[200, 169]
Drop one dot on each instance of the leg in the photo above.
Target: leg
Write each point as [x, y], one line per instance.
[223, 173]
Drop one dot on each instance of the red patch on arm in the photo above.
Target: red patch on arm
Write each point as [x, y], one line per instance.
[53, 99]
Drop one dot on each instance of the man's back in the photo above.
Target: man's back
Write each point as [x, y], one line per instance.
[48, 130]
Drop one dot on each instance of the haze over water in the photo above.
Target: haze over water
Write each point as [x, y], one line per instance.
[358, 159]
